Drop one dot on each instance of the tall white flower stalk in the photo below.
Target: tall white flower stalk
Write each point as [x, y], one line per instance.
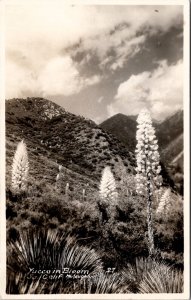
[164, 202]
[148, 169]
[67, 189]
[107, 188]
[108, 193]
[20, 169]
[83, 194]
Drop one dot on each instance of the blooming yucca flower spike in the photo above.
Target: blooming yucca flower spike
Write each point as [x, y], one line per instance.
[67, 189]
[20, 169]
[107, 189]
[83, 193]
[164, 202]
[148, 169]
[108, 192]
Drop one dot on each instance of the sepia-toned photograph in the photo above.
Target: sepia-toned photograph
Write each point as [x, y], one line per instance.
[95, 149]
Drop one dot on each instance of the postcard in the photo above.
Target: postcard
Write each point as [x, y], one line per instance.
[95, 149]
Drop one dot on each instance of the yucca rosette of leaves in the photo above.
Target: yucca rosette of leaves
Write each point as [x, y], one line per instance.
[107, 189]
[147, 156]
[20, 169]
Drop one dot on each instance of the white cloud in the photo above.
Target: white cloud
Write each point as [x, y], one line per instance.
[19, 81]
[127, 37]
[59, 77]
[41, 31]
[161, 91]
[128, 49]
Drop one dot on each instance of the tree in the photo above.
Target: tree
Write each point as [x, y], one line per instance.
[148, 169]
[20, 168]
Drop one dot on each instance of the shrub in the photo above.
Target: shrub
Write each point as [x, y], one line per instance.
[169, 228]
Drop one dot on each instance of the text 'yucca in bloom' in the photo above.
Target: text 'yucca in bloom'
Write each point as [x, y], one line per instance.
[20, 168]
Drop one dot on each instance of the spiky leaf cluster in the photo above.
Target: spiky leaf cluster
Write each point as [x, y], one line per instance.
[107, 189]
[20, 168]
[147, 155]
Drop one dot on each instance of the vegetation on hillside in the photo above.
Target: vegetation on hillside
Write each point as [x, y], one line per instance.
[74, 216]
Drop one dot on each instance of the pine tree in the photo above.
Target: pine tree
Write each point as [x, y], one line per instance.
[20, 168]
[148, 169]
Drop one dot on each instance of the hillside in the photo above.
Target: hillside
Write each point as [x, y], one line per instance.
[173, 150]
[55, 137]
[123, 127]
[115, 227]
[170, 129]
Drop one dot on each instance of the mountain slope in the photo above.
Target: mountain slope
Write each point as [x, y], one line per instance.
[173, 150]
[170, 131]
[56, 137]
[123, 127]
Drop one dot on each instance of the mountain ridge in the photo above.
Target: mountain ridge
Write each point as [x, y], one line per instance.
[169, 134]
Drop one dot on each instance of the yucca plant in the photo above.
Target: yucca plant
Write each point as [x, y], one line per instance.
[18, 283]
[67, 188]
[162, 279]
[42, 249]
[107, 191]
[164, 202]
[47, 250]
[59, 178]
[133, 273]
[83, 194]
[20, 169]
[147, 275]
[103, 284]
[148, 168]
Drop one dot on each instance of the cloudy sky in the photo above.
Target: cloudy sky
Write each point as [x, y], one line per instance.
[96, 61]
